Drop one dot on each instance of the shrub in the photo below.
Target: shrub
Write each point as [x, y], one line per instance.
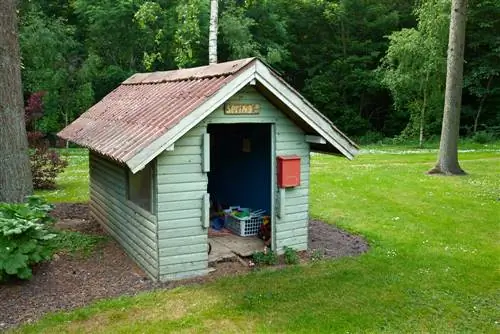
[46, 164]
[483, 137]
[268, 257]
[291, 256]
[25, 237]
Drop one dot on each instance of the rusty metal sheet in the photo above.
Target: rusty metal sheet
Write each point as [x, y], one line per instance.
[145, 106]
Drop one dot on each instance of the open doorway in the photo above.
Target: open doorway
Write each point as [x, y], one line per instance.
[240, 175]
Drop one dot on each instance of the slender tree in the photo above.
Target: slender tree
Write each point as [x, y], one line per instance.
[447, 163]
[212, 38]
[15, 172]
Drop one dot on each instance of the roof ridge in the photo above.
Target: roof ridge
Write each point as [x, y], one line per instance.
[201, 72]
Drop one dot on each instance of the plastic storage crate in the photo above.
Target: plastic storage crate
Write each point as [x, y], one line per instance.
[245, 227]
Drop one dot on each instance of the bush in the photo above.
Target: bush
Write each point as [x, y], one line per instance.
[25, 237]
[483, 137]
[268, 257]
[291, 256]
[46, 164]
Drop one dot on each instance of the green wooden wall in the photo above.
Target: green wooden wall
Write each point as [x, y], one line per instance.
[182, 184]
[134, 228]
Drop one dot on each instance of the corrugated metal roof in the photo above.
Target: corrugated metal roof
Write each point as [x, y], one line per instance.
[146, 106]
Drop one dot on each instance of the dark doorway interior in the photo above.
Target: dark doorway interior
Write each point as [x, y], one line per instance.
[240, 165]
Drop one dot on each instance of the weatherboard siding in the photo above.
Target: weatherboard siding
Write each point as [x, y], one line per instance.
[134, 228]
[182, 184]
[292, 228]
[182, 240]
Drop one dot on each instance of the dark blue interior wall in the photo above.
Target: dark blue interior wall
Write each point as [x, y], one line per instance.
[237, 177]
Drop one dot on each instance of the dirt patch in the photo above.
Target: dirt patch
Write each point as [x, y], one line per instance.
[332, 242]
[71, 281]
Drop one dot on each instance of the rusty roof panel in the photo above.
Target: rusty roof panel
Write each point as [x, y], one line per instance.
[145, 107]
[221, 69]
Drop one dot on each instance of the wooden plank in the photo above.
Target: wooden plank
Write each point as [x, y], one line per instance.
[289, 225]
[182, 187]
[291, 234]
[183, 275]
[191, 240]
[120, 200]
[184, 258]
[304, 215]
[296, 192]
[299, 200]
[183, 217]
[178, 232]
[163, 179]
[133, 226]
[180, 150]
[180, 159]
[184, 267]
[180, 196]
[181, 271]
[190, 140]
[292, 209]
[179, 169]
[187, 249]
[300, 148]
[299, 244]
[176, 206]
[206, 153]
[206, 211]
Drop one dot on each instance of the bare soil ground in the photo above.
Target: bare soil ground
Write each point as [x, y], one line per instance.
[71, 281]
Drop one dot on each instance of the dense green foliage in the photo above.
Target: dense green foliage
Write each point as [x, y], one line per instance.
[25, 237]
[431, 267]
[376, 68]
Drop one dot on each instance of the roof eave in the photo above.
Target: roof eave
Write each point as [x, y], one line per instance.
[146, 155]
[257, 70]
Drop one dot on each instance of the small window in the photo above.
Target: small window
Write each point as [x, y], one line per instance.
[140, 189]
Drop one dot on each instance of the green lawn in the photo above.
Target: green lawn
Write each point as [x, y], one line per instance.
[433, 264]
[73, 183]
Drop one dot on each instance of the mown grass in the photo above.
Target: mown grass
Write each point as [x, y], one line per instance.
[432, 267]
[73, 183]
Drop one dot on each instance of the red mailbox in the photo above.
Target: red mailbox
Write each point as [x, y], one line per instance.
[288, 171]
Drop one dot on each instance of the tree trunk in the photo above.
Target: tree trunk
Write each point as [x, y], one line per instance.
[422, 112]
[447, 163]
[15, 171]
[212, 38]
[481, 104]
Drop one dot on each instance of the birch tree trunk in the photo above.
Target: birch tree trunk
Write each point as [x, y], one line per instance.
[15, 170]
[447, 163]
[212, 38]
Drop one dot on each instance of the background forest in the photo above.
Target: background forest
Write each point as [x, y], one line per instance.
[376, 68]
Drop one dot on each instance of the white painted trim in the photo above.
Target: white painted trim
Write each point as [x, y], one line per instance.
[304, 109]
[261, 73]
[171, 148]
[206, 153]
[282, 200]
[273, 213]
[206, 211]
[315, 139]
[141, 159]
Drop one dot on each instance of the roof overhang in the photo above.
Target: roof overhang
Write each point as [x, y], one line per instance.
[272, 83]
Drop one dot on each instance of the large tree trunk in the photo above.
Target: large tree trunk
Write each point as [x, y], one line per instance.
[212, 38]
[447, 163]
[15, 171]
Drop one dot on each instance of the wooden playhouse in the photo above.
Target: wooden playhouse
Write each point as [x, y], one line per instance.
[163, 143]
